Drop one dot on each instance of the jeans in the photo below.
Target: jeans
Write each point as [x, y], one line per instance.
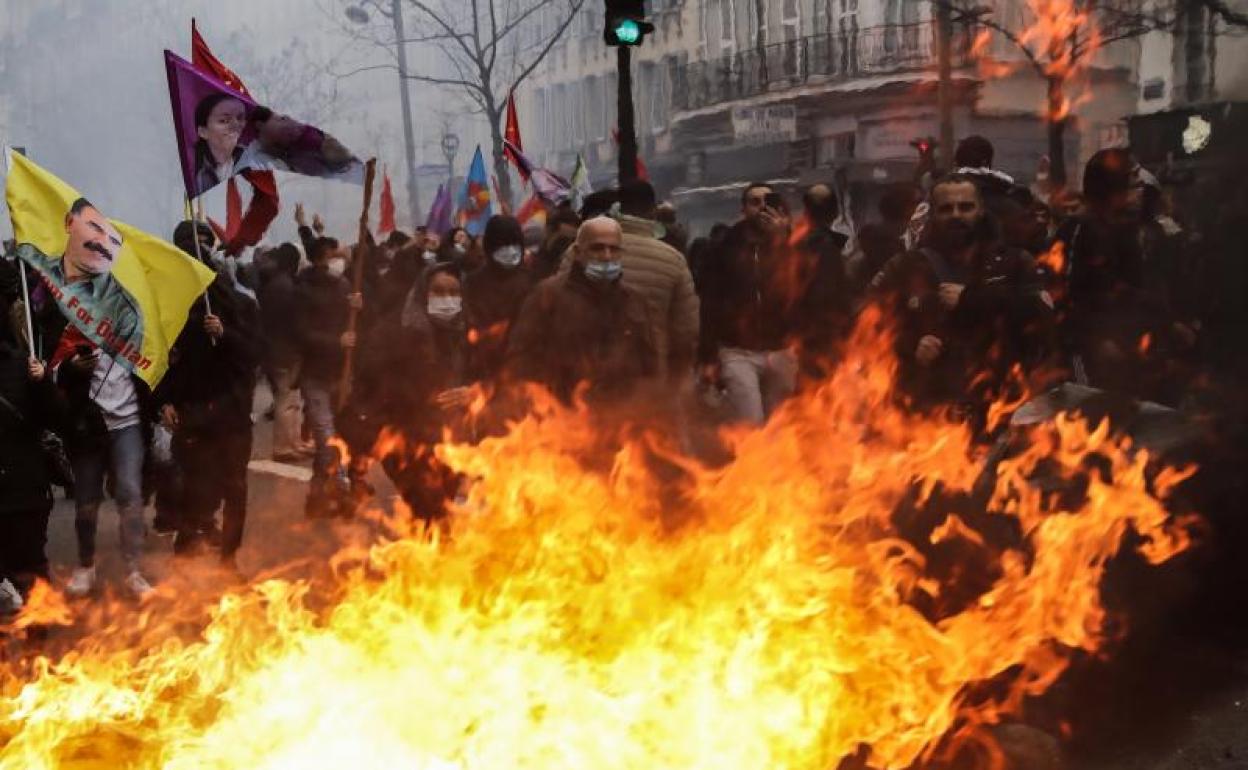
[216, 476]
[319, 413]
[122, 454]
[757, 381]
[287, 410]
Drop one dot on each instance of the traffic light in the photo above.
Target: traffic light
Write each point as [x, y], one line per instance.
[626, 22]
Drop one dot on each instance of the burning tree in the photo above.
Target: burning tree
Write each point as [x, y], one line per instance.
[1058, 39]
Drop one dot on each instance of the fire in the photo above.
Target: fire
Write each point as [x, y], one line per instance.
[1058, 39]
[580, 612]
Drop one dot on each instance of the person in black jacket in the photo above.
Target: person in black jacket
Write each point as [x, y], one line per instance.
[206, 401]
[323, 302]
[494, 293]
[29, 405]
[749, 301]
[281, 353]
[968, 308]
[823, 305]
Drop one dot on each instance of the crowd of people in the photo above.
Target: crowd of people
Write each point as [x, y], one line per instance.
[991, 285]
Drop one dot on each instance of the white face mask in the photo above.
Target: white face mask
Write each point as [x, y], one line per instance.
[445, 308]
[430, 257]
[508, 256]
[336, 266]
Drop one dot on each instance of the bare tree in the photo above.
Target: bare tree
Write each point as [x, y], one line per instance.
[1057, 40]
[487, 46]
[293, 79]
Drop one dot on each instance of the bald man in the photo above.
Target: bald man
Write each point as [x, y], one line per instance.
[584, 326]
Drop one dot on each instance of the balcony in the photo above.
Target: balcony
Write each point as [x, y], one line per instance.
[817, 59]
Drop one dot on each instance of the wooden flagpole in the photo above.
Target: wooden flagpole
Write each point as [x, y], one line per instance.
[357, 281]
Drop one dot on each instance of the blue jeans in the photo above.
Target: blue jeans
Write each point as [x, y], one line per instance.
[122, 453]
[318, 413]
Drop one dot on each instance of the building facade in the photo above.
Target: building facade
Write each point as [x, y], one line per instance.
[789, 91]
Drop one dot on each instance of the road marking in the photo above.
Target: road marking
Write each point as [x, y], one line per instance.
[292, 472]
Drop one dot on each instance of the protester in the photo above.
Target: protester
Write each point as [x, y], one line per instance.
[323, 302]
[561, 227]
[822, 311]
[431, 378]
[880, 241]
[29, 406]
[659, 274]
[674, 233]
[494, 293]
[110, 414]
[1105, 310]
[584, 328]
[748, 322]
[206, 401]
[278, 306]
[969, 308]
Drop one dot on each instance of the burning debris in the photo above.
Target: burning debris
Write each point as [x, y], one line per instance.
[799, 608]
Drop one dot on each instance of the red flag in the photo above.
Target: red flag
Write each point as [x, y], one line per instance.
[217, 229]
[511, 134]
[263, 208]
[204, 60]
[386, 224]
[233, 210]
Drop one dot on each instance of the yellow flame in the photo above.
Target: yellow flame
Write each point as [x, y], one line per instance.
[579, 614]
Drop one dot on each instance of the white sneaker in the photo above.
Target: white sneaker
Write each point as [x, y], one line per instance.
[10, 597]
[81, 582]
[138, 584]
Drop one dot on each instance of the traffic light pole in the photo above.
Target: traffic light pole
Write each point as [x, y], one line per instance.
[627, 119]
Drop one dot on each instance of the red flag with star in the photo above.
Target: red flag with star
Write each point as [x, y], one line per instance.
[511, 135]
[263, 208]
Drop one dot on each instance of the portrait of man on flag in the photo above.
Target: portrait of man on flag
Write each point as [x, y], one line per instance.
[124, 290]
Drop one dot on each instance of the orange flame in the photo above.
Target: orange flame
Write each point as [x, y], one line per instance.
[577, 613]
[1061, 36]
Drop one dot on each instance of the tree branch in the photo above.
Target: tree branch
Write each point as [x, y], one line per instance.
[575, 6]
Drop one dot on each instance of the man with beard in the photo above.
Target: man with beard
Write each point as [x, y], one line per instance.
[968, 309]
[749, 321]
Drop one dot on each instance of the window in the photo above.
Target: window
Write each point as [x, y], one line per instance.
[727, 27]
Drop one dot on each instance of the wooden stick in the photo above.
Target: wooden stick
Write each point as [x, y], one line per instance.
[357, 283]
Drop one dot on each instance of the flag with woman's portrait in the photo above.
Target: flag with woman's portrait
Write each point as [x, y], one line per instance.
[222, 131]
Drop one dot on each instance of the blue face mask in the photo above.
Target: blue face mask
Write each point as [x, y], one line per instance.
[605, 272]
[508, 256]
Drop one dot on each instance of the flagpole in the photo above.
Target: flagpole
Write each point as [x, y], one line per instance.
[195, 237]
[21, 270]
[361, 249]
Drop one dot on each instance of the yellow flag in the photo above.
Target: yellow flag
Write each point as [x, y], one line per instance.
[127, 291]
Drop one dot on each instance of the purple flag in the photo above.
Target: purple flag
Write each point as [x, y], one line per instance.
[222, 132]
[548, 185]
[439, 219]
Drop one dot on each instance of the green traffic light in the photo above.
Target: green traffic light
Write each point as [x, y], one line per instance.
[627, 31]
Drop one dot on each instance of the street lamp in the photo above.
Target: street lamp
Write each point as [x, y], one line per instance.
[358, 15]
[450, 146]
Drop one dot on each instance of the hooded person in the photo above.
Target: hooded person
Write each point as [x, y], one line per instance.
[206, 401]
[493, 293]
